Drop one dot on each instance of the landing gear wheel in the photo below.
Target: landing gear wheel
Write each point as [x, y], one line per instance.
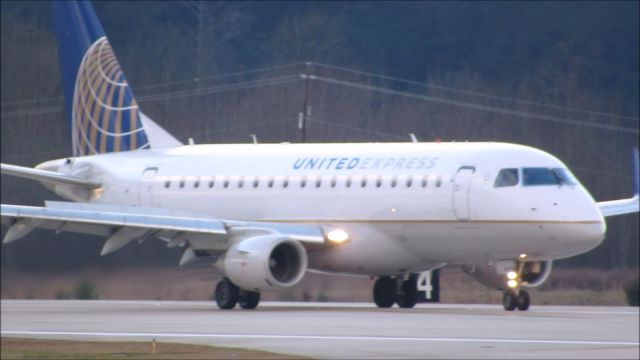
[523, 300]
[227, 294]
[384, 292]
[509, 301]
[249, 299]
[408, 296]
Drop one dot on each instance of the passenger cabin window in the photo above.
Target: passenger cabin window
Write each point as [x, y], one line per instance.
[318, 181]
[211, 183]
[424, 181]
[546, 176]
[506, 177]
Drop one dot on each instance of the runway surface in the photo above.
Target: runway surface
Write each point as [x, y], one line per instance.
[335, 330]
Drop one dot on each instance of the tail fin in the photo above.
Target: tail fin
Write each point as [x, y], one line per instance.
[101, 108]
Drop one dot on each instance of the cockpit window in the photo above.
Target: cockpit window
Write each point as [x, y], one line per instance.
[506, 177]
[546, 176]
[565, 176]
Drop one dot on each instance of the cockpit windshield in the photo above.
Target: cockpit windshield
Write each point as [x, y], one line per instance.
[534, 176]
[546, 176]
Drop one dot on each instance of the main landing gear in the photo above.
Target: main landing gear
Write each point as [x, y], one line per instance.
[388, 290]
[512, 300]
[229, 294]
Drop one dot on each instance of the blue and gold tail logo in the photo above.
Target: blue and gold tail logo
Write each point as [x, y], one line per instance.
[105, 115]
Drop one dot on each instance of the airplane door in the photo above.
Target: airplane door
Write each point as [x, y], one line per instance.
[145, 192]
[461, 187]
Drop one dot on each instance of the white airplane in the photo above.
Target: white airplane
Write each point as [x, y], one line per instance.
[268, 213]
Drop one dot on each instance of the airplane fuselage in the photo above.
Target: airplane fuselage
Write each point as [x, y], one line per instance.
[405, 206]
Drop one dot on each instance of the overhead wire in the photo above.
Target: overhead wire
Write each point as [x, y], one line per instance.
[477, 106]
[476, 93]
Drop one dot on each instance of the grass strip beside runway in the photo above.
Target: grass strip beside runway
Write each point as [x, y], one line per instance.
[12, 348]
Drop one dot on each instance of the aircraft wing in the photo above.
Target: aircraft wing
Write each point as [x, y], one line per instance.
[200, 236]
[619, 207]
[625, 206]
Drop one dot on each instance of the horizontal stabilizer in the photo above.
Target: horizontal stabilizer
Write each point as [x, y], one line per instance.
[46, 176]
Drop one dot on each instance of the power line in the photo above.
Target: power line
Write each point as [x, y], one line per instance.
[168, 83]
[478, 106]
[212, 77]
[475, 93]
[169, 95]
[221, 88]
[291, 78]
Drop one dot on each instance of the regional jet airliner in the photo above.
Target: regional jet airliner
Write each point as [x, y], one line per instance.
[265, 214]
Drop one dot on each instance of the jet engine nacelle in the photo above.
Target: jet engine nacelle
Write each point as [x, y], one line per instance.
[494, 274]
[266, 262]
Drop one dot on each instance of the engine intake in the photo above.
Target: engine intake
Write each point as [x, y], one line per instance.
[266, 262]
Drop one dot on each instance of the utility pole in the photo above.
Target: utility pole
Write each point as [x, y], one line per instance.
[306, 109]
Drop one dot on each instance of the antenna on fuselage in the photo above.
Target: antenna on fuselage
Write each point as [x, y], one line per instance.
[254, 138]
[413, 137]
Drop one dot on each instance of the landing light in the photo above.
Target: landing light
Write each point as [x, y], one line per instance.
[337, 236]
[512, 275]
[512, 283]
[522, 256]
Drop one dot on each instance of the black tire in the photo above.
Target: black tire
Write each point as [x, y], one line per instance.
[227, 294]
[384, 292]
[509, 301]
[408, 296]
[249, 299]
[523, 300]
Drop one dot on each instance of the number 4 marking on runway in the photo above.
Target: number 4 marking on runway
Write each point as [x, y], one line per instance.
[424, 284]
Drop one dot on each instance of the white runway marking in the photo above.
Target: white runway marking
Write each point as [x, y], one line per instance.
[314, 337]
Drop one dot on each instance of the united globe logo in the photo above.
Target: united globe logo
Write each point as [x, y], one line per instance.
[105, 116]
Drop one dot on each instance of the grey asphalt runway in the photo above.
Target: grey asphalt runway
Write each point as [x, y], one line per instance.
[334, 330]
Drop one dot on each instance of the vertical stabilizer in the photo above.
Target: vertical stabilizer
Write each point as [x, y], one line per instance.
[101, 108]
